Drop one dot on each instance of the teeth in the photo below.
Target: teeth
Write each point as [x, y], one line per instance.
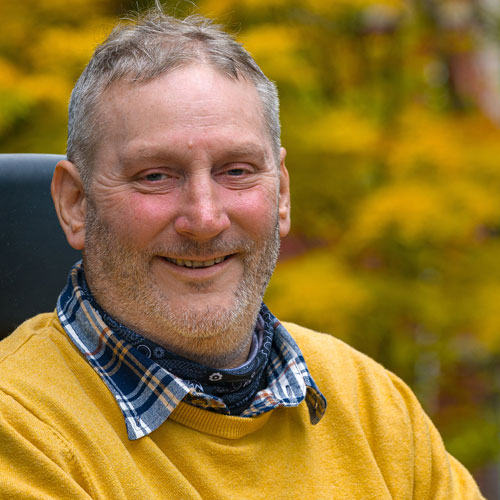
[196, 263]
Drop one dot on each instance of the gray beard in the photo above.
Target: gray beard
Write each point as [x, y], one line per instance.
[123, 284]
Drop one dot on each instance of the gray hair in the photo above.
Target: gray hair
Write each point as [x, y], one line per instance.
[153, 45]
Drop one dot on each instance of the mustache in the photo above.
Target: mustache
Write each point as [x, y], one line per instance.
[196, 249]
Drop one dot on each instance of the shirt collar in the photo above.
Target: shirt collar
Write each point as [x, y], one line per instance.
[147, 394]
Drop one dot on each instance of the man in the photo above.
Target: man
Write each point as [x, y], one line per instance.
[161, 374]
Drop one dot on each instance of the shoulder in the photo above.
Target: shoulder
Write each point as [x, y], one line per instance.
[324, 352]
[39, 363]
[31, 341]
[375, 411]
[39, 421]
[364, 399]
[351, 379]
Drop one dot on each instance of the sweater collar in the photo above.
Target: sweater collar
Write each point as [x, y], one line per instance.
[147, 394]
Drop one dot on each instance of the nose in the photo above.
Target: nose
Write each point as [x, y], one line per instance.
[201, 215]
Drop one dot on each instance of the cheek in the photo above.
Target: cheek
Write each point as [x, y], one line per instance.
[141, 218]
[255, 211]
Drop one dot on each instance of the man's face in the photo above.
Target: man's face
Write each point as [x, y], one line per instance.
[185, 208]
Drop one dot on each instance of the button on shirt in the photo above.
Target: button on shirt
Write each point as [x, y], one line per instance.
[147, 393]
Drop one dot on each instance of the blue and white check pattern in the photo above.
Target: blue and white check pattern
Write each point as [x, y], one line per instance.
[147, 393]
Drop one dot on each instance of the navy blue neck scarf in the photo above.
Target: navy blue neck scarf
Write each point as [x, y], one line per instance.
[236, 387]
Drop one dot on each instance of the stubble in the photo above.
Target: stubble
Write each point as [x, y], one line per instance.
[122, 281]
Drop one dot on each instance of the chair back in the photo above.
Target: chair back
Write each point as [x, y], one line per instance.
[34, 255]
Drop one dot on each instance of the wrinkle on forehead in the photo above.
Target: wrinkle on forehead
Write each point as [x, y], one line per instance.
[122, 88]
[191, 98]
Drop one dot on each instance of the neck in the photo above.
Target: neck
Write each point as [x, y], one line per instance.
[215, 352]
[220, 348]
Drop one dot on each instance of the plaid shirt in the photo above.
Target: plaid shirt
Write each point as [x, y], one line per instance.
[147, 393]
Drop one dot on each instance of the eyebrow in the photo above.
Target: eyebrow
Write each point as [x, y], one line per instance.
[164, 154]
[246, 151]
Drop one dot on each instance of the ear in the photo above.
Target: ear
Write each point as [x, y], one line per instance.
[70, 202]
[284, 197]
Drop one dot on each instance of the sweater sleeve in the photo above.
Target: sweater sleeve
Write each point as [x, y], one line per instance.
[35, 461]
[437, 475]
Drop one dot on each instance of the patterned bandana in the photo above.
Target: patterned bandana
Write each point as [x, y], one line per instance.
[148, 393]
[236, 386]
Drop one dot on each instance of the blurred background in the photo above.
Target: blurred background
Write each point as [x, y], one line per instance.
[391, 119]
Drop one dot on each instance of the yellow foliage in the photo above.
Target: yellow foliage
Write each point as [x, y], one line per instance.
[13, 100]
[411, 209]
[341, 131]
[62, 5]
[486, 316]
[470, 204]
[271, 38]
[47, 87]
[9, 74]
[315, 289]
[62, 50]
[221, 7]
[34, 10]
[12, 105]
[424, 140]
[479, 142]
[319, 6]
[325, 6]
[424, 212]
[276, 50]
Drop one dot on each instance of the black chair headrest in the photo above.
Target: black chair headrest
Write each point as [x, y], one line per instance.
[34, 255]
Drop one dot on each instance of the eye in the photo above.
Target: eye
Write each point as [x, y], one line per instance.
[235, 172]
[155, 176]
[155, 180]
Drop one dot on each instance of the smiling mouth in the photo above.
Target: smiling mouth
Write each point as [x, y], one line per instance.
[195, 264]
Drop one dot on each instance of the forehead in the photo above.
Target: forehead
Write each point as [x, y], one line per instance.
[193, 102]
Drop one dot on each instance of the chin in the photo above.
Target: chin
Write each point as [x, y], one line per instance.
[210, 319]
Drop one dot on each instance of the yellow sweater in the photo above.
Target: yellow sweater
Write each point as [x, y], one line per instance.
[62, 435]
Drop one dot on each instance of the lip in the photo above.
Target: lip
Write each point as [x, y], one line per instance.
[197, 273]
[196, 263]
